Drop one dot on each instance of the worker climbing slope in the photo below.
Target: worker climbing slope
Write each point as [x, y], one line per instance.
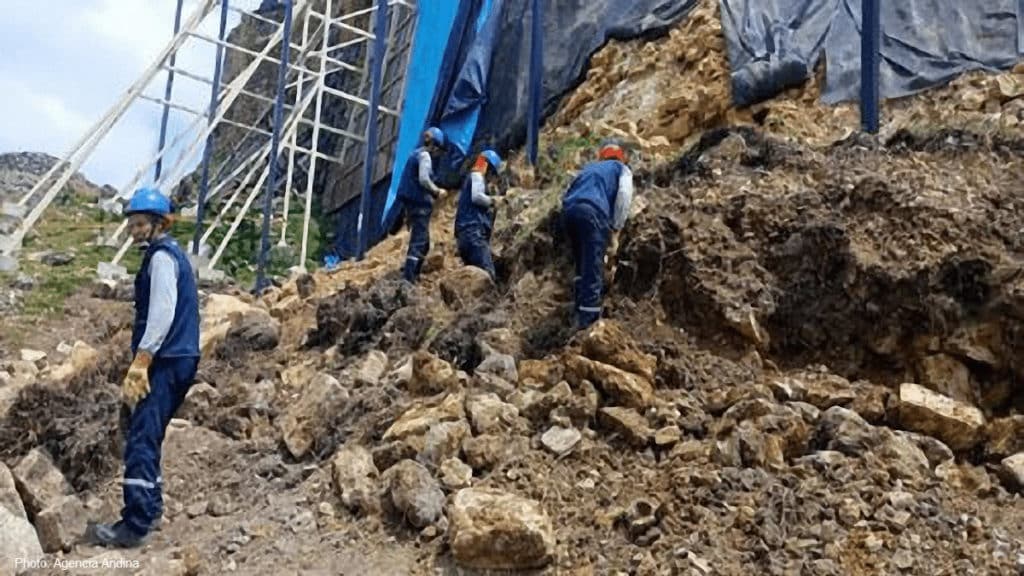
[165, 345]
[417, 193]
[474, 219]
[594, 211]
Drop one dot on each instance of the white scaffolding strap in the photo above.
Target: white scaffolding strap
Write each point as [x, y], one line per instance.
[104, 126]
[311, 175]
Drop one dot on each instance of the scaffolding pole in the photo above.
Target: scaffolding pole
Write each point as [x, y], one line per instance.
[275, 143]
[168, 91]
[379, 49]
[204, 181]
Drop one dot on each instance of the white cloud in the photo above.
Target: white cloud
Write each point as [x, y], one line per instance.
[70, 70]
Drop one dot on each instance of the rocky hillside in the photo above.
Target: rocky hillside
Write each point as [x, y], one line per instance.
[19, 172]
[807, 366]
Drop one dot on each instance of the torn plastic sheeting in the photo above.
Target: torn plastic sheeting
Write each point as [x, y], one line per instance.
[775, 44]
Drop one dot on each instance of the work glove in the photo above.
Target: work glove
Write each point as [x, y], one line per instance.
[613, 247]
[136, 382]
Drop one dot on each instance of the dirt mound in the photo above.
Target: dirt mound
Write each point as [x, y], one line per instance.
[77, 422]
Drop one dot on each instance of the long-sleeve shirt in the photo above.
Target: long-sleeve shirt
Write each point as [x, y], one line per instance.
[163, 299]
[426, 172]
[623, 199]
[479, 190]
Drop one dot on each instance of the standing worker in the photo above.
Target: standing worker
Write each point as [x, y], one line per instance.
[474, 219]
[596, 206]
[165, 345]
[417, 193]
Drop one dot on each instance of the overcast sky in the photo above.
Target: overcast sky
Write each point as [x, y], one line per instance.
[66, 62]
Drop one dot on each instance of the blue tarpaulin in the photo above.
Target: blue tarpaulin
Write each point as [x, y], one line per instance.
[775, 44]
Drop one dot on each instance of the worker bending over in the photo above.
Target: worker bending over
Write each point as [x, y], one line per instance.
[165, 346]
[594, 211]
[417, 193]
[474, 219]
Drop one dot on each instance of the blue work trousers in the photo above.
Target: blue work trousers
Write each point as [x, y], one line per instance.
[588, 232]
[474, 243]
[419, 241]
[169, 381]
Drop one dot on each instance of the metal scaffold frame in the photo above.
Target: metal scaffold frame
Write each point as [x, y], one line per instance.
[295, 113]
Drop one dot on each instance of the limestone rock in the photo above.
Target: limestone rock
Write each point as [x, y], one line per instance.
[947, 376]
[548, 371]
[418, 419]
[414, 493]
[256, 330]
[18, 539]
[465, 285]
[36, 357]
[621, 387]
[494, 530]
[1004, 437]
[82, 357]
[500, 340]
[486, 451]
[371, 368]
[628, 423]
[605, 341]
[979, 343]
[455, 474]
[307, 417]
[356, 478]
[1011, 471]
[957, 424]
[199, 401]
[39, 481]
[501, 365]
[61, 524]
[489, 415]
[902, 457]
[667, 436]
[844, 430]
[430, 374]
[561, 441]
[9, 497]
[441, 442]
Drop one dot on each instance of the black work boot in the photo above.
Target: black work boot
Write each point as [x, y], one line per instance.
[117, 535]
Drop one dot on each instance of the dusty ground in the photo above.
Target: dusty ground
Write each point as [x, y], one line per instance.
[776, 253]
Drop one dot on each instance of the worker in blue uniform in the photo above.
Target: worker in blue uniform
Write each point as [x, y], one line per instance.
[474, 218]
[165, 347]
[417, 192]
[594, 211]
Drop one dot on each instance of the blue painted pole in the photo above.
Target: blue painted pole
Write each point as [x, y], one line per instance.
[870, 60]
[204, 183]
[536, 80]
[167, 97]
[380, 30]
[275, 144]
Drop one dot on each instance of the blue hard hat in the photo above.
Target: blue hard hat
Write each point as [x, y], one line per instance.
[493, 159]
[149, 201]
[436, 135]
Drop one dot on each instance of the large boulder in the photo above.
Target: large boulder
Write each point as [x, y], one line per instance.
[494, 530]
[605, 341]
[18, 540]
[309, 414]
[9, 497]
[957, 424]
[60, 525]
[621, 387]
[465, 285]
[356, 478]
[40, 482]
